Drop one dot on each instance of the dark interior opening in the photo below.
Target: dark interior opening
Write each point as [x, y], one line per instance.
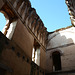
[56, 60]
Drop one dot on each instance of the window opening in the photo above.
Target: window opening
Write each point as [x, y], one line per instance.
[36, 53]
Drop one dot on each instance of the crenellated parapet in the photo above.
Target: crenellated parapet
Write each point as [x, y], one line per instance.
[71, 9]
[22, 9]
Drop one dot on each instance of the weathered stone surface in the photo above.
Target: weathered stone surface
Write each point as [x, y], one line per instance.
[1, 4]
[21, 32]
[63, 42]
[71, 9]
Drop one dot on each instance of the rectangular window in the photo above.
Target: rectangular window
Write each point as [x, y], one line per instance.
[36, 53]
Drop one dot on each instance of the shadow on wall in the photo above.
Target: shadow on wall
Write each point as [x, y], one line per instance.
[62, 42]
[61, 39]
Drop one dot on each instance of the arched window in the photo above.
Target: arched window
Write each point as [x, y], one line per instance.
[56, 61]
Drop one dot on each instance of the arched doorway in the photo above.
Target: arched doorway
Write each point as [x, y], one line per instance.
[56, 61]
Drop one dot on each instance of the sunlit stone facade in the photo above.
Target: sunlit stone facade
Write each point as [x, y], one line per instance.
[26, 48]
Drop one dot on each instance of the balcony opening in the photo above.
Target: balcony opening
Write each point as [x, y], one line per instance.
[56, 61]
[36, 53]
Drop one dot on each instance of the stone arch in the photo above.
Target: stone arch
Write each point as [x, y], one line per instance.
[61, 52]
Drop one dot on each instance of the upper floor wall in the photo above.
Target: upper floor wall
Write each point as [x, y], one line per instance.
[24, 26]
[22, 9]
[61, 38]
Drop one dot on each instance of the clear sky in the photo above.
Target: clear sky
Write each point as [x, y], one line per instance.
[2, 21]
[53, 13]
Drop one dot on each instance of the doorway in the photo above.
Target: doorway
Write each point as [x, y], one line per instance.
[56, 61]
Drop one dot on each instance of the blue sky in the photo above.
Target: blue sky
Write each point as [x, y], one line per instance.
[53, 13]
[2, 21]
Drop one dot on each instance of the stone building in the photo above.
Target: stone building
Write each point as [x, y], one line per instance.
[23, 40]
[60, 52]
[26, 48]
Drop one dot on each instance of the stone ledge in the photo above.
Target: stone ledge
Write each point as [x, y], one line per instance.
[61, 72]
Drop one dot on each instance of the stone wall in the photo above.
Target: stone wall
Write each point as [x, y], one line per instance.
[63, 42]
[15, 61]
[18, 40]
[23, 38]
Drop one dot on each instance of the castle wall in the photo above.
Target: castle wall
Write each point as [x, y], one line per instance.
[16, 61]
[13, 58]
[17, 42]
[64, 43]
[23, 38]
